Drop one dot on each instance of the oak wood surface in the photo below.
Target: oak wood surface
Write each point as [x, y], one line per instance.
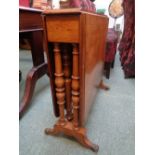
[95, 38]
[60, 30]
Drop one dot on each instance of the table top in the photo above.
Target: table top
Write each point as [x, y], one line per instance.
[70, 11]
[30, 9]
[30, 19]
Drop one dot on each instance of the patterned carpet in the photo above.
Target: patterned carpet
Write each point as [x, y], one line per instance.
[111, 122]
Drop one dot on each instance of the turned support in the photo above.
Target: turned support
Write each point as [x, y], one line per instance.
[59, 82]
[67, 75]
[75, 86]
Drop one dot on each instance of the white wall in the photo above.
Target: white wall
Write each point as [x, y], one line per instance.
[104, 4]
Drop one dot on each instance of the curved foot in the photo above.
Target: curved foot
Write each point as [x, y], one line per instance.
[34, 74]
[103, 86]
[79, 135]
[49, 131]
[89, 144]
[29, 89]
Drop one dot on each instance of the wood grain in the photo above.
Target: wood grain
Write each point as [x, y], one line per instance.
[60, 30]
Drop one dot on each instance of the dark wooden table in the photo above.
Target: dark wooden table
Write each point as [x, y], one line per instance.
[31, 27]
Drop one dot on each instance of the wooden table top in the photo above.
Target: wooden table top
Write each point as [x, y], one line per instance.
[30, 19]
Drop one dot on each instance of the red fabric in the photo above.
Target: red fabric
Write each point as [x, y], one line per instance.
[127, 44]
[25, 3]
[111, 45]
[86, 5]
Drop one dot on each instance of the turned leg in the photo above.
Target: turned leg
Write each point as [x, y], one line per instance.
[59, 82]
[75, 86]
[67, 74]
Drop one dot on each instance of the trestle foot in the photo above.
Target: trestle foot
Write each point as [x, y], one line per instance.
[69, 130]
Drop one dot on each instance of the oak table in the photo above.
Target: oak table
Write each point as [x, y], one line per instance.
[31, 27]
[75, 44]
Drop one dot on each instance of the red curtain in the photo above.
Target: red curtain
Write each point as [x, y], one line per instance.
[127, 43]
